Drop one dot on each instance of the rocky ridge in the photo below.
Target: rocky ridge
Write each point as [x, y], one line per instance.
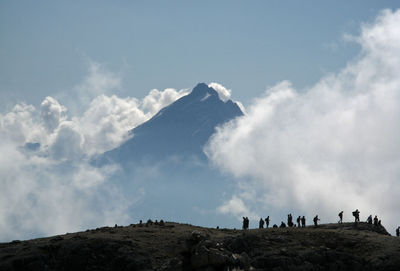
[173, 246]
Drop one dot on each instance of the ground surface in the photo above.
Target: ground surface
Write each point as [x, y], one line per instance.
[184, 247]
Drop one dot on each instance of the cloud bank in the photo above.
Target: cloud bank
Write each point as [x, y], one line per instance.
[332, 147]
[47, 185]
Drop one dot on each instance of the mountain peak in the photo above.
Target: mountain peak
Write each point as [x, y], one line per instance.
[182, 128]
[203, 89]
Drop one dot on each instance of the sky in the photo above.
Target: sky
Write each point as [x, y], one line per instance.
[318, 81]
[47, 47]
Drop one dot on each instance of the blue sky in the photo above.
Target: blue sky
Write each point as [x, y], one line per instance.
[46, 45]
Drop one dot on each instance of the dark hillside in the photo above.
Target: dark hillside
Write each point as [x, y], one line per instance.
[184, 247]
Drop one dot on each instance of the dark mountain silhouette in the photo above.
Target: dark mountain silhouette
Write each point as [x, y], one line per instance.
[181, 128]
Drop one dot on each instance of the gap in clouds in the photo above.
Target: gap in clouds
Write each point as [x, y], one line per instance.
[332, 147]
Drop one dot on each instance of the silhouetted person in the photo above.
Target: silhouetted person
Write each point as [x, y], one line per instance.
[267, 222]
[398, 231]
[369, 219]
[379, 222]
[245, 223]
[283, 225]
[303, 221]
[261, 224]
[290, 220]
[275, 226]
[375, 221]
[356, 215]
[340, 217]
[316, 221]
[298, 220]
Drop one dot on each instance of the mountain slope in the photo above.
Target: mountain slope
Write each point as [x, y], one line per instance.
[173, 246]
[181, 128]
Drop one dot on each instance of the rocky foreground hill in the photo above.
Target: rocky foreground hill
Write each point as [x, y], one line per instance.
[172, 246]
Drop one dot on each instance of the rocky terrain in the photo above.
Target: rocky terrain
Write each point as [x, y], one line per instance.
[172, 246]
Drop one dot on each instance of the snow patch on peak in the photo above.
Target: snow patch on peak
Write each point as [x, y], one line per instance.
[241, 106]
[205, 97]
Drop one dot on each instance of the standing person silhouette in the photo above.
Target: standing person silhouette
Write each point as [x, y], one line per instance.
[267, 222]
[244, 223]
[369, 219]
[376, 221]
[356, 215]
[261, 224]
[290, 220]
[316, 221]
[303, 221]
[340, 217]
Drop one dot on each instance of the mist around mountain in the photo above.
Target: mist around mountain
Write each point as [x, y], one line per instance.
[178, 130]
[158, 169]
[163, 165]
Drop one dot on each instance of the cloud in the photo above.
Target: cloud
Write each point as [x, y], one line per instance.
[107, 121]
[39, 196]
[334, 146]
[236, 207]
[52, 113]
[223, 93]
[99, 80]
[68, 142]
[156, 100]
[52, 188]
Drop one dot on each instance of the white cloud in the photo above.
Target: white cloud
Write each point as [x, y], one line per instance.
[67, 143]
[236, 207]
[20, 124]
[156, 100]
[335, 146]
[54, 189]
[39, 196]
[52, 113]
[99, 80]
[223, 93]
[107, 121]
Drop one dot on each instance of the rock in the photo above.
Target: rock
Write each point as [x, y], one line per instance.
[244, 260]
[217, 258]
[56, 239]
[196, 236]
[200, 257]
